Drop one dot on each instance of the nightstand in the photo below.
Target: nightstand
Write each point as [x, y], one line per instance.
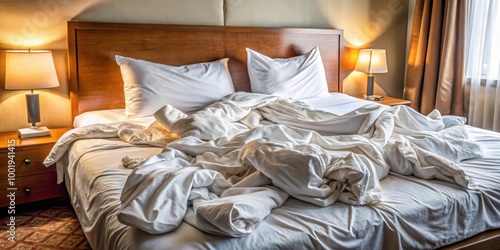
[23, 177]
[392, 101]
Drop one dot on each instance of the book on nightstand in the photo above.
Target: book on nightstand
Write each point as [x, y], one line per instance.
[373, 97]
[33, 132]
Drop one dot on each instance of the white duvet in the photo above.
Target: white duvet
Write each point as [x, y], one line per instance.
[225, 168]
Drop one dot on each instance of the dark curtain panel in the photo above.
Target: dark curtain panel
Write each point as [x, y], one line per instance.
[436, 64]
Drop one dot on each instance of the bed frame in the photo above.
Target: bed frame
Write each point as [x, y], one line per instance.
[96, 83]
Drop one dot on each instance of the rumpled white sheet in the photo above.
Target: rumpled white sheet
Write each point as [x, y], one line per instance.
[154, 135]
[227, 173]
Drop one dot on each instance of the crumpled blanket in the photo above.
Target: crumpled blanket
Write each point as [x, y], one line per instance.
[244, 155]
[154, 135]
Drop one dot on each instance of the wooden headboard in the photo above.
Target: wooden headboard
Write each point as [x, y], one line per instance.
[95, 79]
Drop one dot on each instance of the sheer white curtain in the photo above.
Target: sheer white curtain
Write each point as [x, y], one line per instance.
[483, 64]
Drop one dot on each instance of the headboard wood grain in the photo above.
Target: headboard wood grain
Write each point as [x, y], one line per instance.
[95, 79]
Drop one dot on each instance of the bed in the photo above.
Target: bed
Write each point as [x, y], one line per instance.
[412, 213]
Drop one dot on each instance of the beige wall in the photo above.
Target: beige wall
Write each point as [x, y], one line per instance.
[41, 24]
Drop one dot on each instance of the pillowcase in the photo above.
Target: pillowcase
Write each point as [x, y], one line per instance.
[108, 116]
[298, 77]
[99, 116]
[149, 86]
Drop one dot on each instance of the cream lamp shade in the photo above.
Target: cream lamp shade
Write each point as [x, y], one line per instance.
[371, 61]
[29, 70]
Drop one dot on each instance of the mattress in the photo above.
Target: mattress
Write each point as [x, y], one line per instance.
[414, 213]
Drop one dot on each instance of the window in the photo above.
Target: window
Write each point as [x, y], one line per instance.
[483, 64]
[483, 39]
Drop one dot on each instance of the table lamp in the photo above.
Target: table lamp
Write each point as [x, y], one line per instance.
[371, 61]
[29, 70]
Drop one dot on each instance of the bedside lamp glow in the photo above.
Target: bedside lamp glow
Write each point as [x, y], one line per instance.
[371, 61]
[29, 70]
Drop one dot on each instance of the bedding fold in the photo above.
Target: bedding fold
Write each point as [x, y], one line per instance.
[223, 169]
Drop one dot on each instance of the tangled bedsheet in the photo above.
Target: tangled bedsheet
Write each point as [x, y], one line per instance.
[223, 169]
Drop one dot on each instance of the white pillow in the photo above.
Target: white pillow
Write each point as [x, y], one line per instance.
[298, 77]
[99, 116]
[149, 86]
[109, 116]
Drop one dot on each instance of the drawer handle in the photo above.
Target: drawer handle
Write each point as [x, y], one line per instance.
[27, 190]
[27, 161]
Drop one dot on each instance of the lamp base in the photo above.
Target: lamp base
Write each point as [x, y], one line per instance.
[33, 132]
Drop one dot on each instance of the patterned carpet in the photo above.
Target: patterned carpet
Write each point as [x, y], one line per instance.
[46, 225]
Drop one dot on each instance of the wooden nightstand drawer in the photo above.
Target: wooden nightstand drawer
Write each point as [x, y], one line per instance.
[32, 180]
[32, 188]
[28, 162]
